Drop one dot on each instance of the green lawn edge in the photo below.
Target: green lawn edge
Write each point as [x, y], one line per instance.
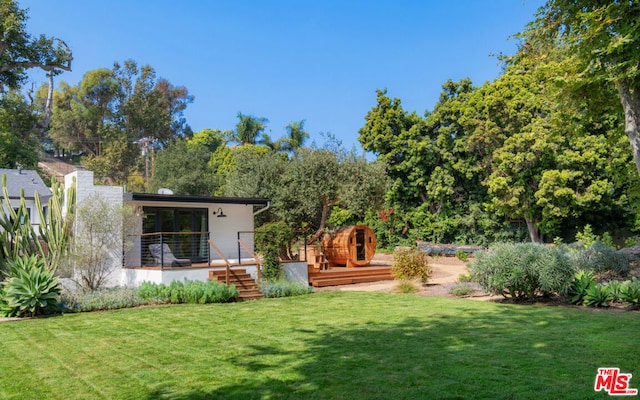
[328, 345]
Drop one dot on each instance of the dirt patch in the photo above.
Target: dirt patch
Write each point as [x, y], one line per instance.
[444, 276]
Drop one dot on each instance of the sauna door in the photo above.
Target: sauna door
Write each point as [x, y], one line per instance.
[361, 248]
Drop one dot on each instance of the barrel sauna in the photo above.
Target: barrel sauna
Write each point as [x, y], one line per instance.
[351, 246]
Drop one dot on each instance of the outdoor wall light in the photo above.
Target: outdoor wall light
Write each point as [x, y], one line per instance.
[219, 213]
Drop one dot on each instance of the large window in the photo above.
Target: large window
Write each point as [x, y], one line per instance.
[176, 227]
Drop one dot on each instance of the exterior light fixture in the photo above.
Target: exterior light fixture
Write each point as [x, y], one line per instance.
[219, 213]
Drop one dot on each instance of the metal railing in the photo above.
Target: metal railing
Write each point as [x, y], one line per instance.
[171, 249]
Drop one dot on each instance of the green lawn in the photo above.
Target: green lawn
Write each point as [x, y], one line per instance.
[329, 345]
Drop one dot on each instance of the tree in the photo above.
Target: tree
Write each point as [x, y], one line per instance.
[599, 42]
[184, 168]
[248, 129]
[296, 136]
[398, 139]
[111, 112]
[210, 138]
[18, 146]
[19, 51]
[97, 245]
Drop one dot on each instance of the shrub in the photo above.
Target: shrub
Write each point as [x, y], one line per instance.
[465, 278]
[407, 287]
[577, 289]
[410, 263]
[103, 299]
[462, 255]
[522, 270]
[283, 288]
[461, 289]
[600, 258]
[271, 267]
[586, 236]
[598, 295]
[273, 240]
[195, 292]
[30, 289]
[630, 291]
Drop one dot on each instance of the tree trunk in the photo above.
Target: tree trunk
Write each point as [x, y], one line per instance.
[534, 232]
[630, 99]
[326, 205]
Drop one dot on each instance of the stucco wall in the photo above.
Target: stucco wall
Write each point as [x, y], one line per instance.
[112, 194]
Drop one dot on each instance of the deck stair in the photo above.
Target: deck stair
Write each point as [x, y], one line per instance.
[246, 285]
[345, 276]
[316, 258]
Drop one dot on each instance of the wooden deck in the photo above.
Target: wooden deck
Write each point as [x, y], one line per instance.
[345, 276]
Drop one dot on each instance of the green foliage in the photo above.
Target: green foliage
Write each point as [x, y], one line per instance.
[465, 278]
[273, 240]
[461, 289]
[18, 237]
[587, 237]
[16, 118]
[283, 288]
[631, 241]
[410, 263]
[30, 288]
[407, 286]
[598, 295]
[577, 289]
[102, 299]
[522, 270]
[21, 51]
[600, 258]
[629, 291]
[194, 292]
[99, 241]
[462, 255]
[184, 168]
[110, 114]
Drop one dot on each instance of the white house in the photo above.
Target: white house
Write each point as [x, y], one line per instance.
[18, 180]
[172, 232]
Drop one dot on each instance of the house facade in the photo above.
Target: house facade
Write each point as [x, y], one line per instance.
[172, 234]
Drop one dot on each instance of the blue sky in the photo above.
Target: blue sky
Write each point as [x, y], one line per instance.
[320, 61]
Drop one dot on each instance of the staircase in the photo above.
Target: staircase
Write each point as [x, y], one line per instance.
[246, 285]
[346, 276]
[316, 258]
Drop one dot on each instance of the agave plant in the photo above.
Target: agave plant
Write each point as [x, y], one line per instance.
[30, 289]
[630, 291]
[598, 295]
[577, 289]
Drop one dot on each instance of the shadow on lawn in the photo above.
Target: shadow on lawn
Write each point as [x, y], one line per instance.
[505, 352]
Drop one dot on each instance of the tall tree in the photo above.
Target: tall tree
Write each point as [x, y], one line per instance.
[18, 144]
[248, 129]
[19, 51]
[600, 42]
[184, 168]
[114, 112]
[295, 138]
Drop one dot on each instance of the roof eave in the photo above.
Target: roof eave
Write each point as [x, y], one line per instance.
[152, 197]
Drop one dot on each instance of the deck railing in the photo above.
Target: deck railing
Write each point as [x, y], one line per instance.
[170, 249]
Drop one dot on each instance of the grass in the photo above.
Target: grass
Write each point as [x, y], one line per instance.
[329, 345]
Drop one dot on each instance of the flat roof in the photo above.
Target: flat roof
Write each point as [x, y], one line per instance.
[153, 197]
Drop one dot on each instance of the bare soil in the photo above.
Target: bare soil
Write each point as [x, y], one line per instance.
[445, 272]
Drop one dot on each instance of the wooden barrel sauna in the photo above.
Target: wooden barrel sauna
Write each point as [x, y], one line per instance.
[350, 246]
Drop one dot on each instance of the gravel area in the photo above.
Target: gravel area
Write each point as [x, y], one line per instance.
[444, 276]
